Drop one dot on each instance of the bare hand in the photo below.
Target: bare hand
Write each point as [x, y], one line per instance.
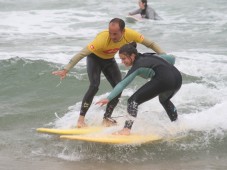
[61, 73]
[103, 102]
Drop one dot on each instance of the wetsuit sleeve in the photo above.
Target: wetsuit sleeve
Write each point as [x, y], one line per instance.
[168, 57]
[122, 85]
[142, 71]
[135, 12]
[76, 58]
[152, 45]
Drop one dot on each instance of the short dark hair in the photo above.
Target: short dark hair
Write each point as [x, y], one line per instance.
[120, 22]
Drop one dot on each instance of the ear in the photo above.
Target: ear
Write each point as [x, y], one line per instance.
[133, 57]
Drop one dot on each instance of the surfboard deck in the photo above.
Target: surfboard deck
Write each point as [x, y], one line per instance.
[75, 131]
[114, 139]
[132, 19]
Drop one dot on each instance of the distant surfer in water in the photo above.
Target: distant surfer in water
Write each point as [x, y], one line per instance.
[145, 11]
[165, 81]
[100, 58]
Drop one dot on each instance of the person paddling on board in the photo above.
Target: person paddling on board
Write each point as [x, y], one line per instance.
[100, 58]
[145, 11]
[165, 81]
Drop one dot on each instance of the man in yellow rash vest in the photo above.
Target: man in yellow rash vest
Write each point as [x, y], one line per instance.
[100, 58]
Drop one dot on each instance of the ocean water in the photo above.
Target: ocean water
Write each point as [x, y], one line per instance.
[38, 37]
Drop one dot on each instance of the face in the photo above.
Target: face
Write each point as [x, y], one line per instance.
[115, 32]
[141, 4]
[127, 60]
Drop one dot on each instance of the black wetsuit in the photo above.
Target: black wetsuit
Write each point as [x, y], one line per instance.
[165, 81]
[109, 67]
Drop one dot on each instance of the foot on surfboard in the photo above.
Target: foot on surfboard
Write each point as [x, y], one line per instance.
[81, 124]
[108, 122]
[124, 131]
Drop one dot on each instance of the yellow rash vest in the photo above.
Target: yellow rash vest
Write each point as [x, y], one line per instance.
[103, 47]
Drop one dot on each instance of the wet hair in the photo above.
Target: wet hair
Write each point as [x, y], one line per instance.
[144, 1]
[128, 49]
[120, 22]
[143, 12]
[133, 44]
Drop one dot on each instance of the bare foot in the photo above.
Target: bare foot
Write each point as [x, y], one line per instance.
[81, 123]
[108, 122]
[124, 131]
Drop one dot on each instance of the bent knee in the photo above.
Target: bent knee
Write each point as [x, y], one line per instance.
[173, 117]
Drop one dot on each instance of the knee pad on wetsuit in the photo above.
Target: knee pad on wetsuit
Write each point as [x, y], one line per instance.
[132, 107]
[87, 100]
[110, 107]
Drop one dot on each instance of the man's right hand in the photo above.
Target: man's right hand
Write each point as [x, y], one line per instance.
[61, 73]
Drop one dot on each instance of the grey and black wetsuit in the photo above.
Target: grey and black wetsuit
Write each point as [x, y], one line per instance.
[165, 81]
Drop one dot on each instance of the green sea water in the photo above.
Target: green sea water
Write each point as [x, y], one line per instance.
[40, 37]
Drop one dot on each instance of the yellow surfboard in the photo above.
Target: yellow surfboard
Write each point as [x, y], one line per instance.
[75, 131]
[113, 139]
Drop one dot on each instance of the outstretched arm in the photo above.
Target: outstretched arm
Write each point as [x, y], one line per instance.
[144, 72]
[154, 46]
[76, 58]
[62, 73]
[137, 11]
[118, 88]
